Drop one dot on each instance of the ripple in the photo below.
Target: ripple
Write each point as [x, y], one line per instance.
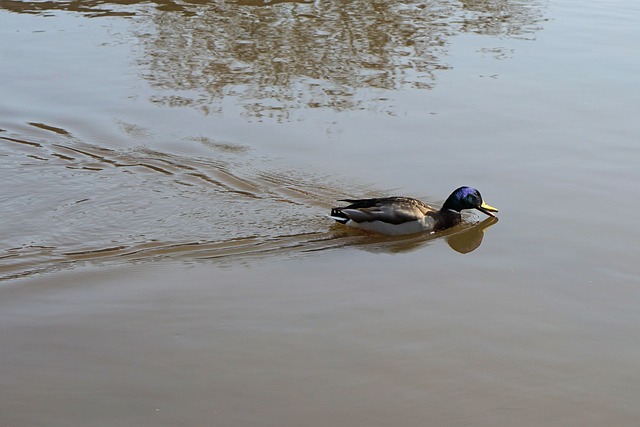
[70, 202]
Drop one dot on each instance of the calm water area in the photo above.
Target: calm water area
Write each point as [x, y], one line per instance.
[166, 168]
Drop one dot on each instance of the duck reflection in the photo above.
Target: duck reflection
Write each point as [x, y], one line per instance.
[469, 240]
[464, 238]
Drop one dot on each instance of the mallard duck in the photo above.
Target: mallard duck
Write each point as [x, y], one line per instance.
[404, 215]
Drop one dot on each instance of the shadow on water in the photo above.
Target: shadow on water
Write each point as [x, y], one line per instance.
[73, 203]
[275, 57]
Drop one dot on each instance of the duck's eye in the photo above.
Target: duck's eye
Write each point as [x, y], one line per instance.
[472, 200]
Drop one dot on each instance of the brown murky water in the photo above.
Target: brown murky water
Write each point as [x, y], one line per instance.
[166, 169]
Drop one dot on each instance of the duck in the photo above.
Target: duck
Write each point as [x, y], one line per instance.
[405, 215]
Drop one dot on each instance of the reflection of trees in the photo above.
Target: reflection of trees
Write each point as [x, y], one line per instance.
[287, 54]
[501, 18]
[294, 55]
[93, 7]
[326, 54]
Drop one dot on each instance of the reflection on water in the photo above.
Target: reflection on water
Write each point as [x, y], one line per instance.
[504, 18]
[289, 55]
[88, 203]
[470, 240]
[97, 8]
[463, 238]
[338, 55]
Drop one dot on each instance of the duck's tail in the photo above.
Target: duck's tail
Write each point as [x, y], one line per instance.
[339, 216]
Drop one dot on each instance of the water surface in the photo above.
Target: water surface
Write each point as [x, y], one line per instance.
[166, 169]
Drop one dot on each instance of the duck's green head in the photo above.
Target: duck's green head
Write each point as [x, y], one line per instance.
[468, 198]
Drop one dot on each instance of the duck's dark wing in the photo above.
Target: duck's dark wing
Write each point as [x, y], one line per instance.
[392, 210]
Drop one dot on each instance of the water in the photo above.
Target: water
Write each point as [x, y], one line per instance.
[166, 169]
